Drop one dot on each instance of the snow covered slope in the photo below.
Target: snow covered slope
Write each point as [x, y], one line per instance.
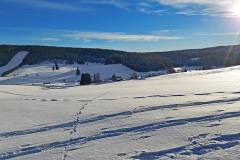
[186, 116]
[14, 62]
[43, 73]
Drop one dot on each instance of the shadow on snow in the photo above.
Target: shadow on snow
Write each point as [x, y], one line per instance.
[136, 129]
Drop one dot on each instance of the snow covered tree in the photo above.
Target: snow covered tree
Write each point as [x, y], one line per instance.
[96, 78]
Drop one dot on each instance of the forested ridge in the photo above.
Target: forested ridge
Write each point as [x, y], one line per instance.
[149, 61]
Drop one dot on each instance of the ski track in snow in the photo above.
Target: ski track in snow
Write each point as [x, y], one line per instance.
[113, 115]
[221, 142]
[213, 113]
[138, 129]
[16, 94]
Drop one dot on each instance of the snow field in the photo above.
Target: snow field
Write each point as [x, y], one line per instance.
[193, 115]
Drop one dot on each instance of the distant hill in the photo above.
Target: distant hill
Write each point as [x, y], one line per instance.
[215, 56]
[142, 62]
[38, 54]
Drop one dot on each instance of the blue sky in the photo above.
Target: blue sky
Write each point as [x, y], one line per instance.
[132, 25]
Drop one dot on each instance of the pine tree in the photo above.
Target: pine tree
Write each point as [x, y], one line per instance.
[85, 79]
[78, 71]
[134, 76]
[114, 77]
[56, 66]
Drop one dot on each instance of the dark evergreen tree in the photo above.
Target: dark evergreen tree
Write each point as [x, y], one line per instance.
[56, 66]
[85, 79]
[134, 76]
[78, 71]
[114, 77]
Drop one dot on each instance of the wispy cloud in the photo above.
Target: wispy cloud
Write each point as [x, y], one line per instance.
[44, 34]
[217, 34]
[73, 5]
[164, 31]
[51, 39]
[151, 11]
[123, 4]
[47, 4]
[111, 36]
[224, 8]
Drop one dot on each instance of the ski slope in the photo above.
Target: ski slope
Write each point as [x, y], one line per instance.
[14, 62]
[185, 116]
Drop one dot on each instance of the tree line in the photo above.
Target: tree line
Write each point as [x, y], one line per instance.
[142, 62]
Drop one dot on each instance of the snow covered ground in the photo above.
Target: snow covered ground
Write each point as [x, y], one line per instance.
[14, 62]
[185, 116]
[43, 73]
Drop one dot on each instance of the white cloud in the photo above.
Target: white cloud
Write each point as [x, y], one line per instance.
[226, 8]
[217, 34]
[164, 31]
[47, 4]
[110, 36]
[51, 39]
[150, 11]
[116, 3]
[76, 5]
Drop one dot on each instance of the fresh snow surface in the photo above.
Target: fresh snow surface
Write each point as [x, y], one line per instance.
[184, 116]
[14, 62]
[43, 73]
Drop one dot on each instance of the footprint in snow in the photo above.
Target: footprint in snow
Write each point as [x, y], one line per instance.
[214, 125]
[121, 154]
[220, 110]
